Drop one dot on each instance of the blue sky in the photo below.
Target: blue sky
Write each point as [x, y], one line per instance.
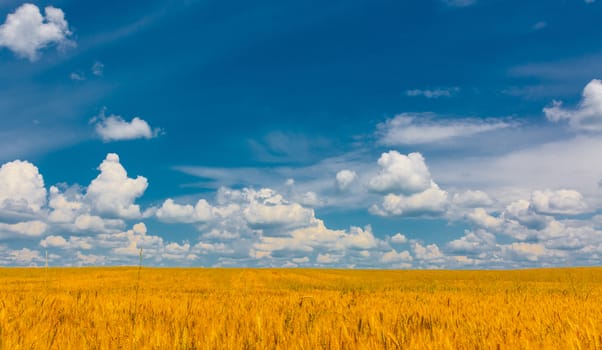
[366, 134]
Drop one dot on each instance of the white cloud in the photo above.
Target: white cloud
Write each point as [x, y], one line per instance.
[472, 199]
[115, 128]
[416, 129]
[568, 163]
[90, 259]
[65, 206]
[407, 174]
[310, 199]
[263, 209]
[588, 114]
[53, 241]
[327, 258]
[269, 228]
[21, 187]
[528, 251]
[558, 202]
[267, 208]
[94, 223]
[433, 93]
[302, 260]
[172, 212]
[33, 228]
[522, 211]
[393, 256]
[534, 214]
[428, 252]
[175, 251]
[318, 236]
[473, 243]
[131, 241]
[204, 248]
[26, 31]
[409, 186]
[98, 68]
[398, 238]
[112, 192]
[345, 178]
[430, 201]
[77, 76]
[73, 242]
[358, 238]
[482, 218]
[25, 256]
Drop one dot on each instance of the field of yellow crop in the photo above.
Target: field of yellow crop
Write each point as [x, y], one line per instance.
[128, 308]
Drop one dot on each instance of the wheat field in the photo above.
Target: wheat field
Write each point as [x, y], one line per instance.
[132, 308]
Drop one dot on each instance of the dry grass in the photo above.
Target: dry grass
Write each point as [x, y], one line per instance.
[95, 308]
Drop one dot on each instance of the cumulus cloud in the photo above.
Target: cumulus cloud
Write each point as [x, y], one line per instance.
[528, 251]
[416, 129]
[587, 115]
[407, 174]
[115, 128]
[473, 243]
[266, 227]
[261, 209]
[409, 186]
[430, 201]
[113, 192]
[345, 178]
[26, 31]
[310, 199]
[121, 247]
[327, 258]
[472, 199]
[429, 252]
[266, 208]
[130, 242]
[90, 259]
[65, 206]
[433, 93]
[394, 257]
[558, 202]
[33, 228]
[21, 187]
[73, 242]
[318, 237]
[522, 212]
[398, 238]
[482, 218]
[173, 212]
[97, 224]
[53, 241]
[527, 221]
[25, 256]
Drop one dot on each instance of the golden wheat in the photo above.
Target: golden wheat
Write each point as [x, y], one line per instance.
[97, 308]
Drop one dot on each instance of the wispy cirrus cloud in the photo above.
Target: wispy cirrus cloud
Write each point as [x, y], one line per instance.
[433, 93]
[425, 128]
